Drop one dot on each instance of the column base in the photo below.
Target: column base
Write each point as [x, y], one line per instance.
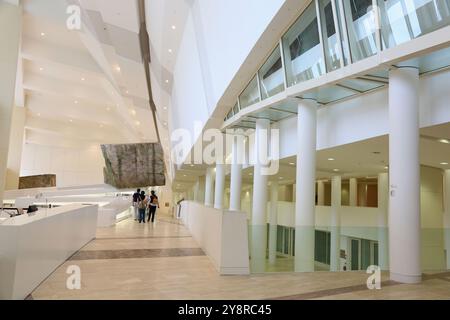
[403, 278]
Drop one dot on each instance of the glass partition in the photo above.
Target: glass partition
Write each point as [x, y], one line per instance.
[303, 53]
[361, 27]
[329, 35]
[271, 75]
[344, 41]
[404, 20]
[236, 108]
[250, 95]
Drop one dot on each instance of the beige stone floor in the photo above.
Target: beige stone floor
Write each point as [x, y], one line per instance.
[193, 277]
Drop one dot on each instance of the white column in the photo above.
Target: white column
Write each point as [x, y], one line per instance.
[220, 186]
[383, 200]
[320, 193]
[335, 259]
[236, 175]
[273, 222]
[10, 29]
[197, 190]
[209, 183]
[447, 215]
[259, 210]
[353, 192]
[404, 174]
[15, 148]
[305, 186]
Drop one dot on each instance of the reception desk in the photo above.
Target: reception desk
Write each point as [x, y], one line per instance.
[32, 247]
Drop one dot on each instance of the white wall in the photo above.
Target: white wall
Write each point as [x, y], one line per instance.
[72, 166]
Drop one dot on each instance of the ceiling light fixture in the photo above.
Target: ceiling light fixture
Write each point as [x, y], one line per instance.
[108, 109]
[167, 81]
[336, 170]
[173, 27]
[118, 68]
[444, 163]
[138, 123]
[165, 108]
[446, 141]
[76, 102]
[292, 163]
[170, 50]
[42, 34]
[82, 79]
[70, 120]
[41, 69]
[331, 159]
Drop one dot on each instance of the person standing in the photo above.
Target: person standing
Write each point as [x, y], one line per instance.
[142, 205]
[153, 204]
[136, 196]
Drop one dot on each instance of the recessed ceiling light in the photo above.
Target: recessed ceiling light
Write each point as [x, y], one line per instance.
[173, 27]
[444, 163]
[192, 165]
[38, 114]
[170, 50]
[446, 141]
[82, 79]
[281, 178]
[42, 34]
[70, 120]
[133, 112]
[138, 123]
[386, 167]
[41, 69]
[165, 108]
[292, 163]
[76, 102]
[118, 68]
[336, 170]
[127, 92]
[331, 159]
[108, 109]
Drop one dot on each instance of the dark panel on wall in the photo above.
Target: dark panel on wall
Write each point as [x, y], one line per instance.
[40, 181]
[134, 165]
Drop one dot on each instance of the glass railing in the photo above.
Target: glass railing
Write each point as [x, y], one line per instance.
[330, 34]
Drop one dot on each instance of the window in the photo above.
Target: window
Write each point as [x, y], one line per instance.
[250, 95]
[271, 75]
[330, 37]
[322, 247]
[360, 18]
[302, 49]
[404, 20]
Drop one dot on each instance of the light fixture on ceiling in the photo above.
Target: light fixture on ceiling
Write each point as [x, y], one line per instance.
[281, 178]
[386, 167]
[133, 112]
[41, 69]
[70, 120]
[446, 141]
[42, 34]
[38, 114]
[336, 170]
[170, 50]
[331, 159]
[292, 163]
[138, 123]
[82, 79]
[167, 81]
[165, 108]
[108, 109]
[118, 68]
[444, 163]
[127, 92]
[173, 27]
[76, 102]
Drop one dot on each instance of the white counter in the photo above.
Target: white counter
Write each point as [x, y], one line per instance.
[31, 248]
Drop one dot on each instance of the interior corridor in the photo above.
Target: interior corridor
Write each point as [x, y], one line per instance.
[162, 261]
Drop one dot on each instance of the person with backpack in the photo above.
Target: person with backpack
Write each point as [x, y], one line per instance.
[142, 205]
[153, 204]
[135, 204]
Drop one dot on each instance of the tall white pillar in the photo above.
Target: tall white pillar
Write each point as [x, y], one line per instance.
[305, 186]
[273, 222]
[404, 174]
[209, 183]
[220, 186]
[15, 148]
[259, 210]
[383, 203]
[236, 175]
[335, 259]
[320, 193]
[353, 192]
[10, 34]
[447, 214]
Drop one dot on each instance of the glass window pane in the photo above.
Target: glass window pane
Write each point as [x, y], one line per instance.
[355, 254]
[236, 109]
[271, 75]
[360, 19]
[404, 20]
[250, 95]
[329, 36]
[302, 49]
[340, 21]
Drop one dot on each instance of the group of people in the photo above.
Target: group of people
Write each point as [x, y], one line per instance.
[143, 204]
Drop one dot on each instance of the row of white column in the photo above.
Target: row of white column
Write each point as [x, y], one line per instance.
[398, 192]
